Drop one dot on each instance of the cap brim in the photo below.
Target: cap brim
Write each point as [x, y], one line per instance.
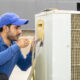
[21, 22]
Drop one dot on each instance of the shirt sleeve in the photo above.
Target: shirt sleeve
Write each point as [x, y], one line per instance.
[25, 63]
[7, 54]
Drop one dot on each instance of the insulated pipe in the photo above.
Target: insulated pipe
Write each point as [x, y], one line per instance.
[34, 60]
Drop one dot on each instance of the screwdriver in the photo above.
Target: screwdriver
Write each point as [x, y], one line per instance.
[34, 41]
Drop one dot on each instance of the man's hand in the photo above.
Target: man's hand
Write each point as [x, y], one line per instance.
[23, 42]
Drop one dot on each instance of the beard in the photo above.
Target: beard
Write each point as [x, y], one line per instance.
[13, 37]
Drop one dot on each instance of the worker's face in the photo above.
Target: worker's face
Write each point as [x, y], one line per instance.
[14, 32]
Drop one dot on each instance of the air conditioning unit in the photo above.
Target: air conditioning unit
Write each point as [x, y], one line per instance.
[59, 57]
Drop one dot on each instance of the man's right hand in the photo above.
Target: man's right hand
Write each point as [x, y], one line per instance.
[23, 42]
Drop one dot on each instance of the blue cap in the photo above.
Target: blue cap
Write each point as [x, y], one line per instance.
[12, 18]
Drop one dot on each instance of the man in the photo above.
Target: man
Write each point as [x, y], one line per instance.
[10, 54]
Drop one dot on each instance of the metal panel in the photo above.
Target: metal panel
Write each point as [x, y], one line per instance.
[54, 62]
[75, 46]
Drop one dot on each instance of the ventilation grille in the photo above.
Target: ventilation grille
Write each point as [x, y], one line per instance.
[75, 47]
